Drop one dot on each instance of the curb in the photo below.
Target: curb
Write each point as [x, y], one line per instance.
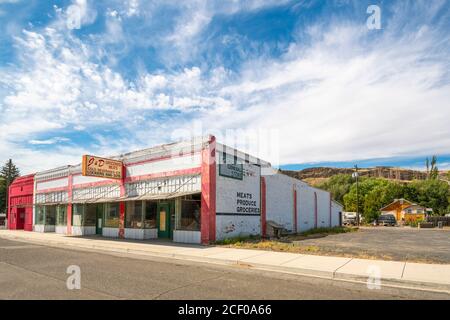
[388, 282]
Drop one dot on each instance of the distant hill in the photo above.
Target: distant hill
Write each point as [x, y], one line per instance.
[319, 174]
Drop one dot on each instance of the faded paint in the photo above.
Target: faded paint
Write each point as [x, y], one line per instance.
[229, 222]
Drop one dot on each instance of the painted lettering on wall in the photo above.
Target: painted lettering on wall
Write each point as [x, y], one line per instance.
[246, 204]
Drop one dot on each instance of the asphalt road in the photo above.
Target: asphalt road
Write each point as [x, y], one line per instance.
[389, 243]
[30, 271]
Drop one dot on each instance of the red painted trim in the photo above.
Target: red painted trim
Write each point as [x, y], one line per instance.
[315, 210]
[9, 211]
[212, 188]
[162, 158]
[263, 208]
[165, 174]
[69, 205]
[122, 205]
[295, 209]
[330, 210]
[208, 196]
[52, 190]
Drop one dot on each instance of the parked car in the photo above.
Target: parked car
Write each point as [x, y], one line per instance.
[386, 220]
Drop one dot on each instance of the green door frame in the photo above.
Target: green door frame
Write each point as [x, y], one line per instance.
[164, 227]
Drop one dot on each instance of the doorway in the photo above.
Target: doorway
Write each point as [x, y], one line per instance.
[163, 220]
[20, 218]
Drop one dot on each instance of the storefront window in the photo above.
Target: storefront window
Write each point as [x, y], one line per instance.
[50, 215]
[61, 215]
[84, 215]
[90, 215]
[112, 215]
[40, 214]
[189, 217]
[78, 213]
[150, 215]
[133, 217]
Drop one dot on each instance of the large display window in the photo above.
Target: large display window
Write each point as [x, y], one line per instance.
[50, 215]
[134, 215]
[112, 214]
[40, 215]
[188, 213]
[61, 215]
[150, 208]
[84, 215]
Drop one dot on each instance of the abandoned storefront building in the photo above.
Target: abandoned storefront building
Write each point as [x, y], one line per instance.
[196, 191]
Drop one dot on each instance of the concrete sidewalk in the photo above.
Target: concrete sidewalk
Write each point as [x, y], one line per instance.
[392, 273]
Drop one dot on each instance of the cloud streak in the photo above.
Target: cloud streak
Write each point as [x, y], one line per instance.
[337, 92]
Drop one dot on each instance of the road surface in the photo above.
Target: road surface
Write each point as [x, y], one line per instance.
[30, 271]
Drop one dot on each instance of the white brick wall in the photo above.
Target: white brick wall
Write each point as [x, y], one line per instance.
[229, 222]
[57, 183]
[81, 231]
[110, 232]
[44, 228]
[61, 229]
[185, 236]
[280, 200]
[177, 163]
[280, 203]
[335, 209]
[305, 207]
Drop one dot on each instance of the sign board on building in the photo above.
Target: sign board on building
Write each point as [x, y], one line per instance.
[101, 167]
[234, 171]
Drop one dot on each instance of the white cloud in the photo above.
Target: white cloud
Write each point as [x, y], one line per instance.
[341, 97]
[48, 141]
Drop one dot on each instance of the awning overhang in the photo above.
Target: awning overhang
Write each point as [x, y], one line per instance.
[161, 196]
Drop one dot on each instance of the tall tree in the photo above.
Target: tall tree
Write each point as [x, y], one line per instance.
[434, 172]
[8, 173]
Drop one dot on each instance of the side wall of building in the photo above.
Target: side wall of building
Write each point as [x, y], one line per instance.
[336, 210]
[296, 205]
[280, 200]
[306, 208]
[238, 211]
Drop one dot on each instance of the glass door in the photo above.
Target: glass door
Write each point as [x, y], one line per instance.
[163, 220]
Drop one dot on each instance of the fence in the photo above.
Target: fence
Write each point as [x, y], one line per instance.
[436, 219]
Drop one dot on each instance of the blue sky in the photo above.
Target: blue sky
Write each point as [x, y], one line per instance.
[307, 80]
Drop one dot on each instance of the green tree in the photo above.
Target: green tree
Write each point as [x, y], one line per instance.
[374, 193]
[339, 185]
[7, 175]
[431, 194]
[432, 169]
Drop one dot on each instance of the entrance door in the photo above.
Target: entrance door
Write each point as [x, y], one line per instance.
[99, 221]
[20, 218]
[163, 220]
[28, 219]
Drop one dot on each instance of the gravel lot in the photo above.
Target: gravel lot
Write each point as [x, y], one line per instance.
[393, 243]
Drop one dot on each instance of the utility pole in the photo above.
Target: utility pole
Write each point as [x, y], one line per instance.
[357, 195]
